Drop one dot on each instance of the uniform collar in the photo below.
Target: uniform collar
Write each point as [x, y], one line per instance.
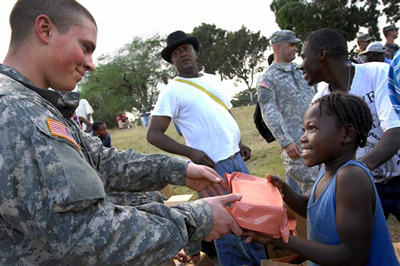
[65, 101]
[287, 67]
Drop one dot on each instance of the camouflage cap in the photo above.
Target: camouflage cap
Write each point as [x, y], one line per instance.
[390, 27]
[364, 37]
[284, 35]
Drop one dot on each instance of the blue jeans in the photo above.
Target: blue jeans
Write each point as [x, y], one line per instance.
[233, 250]
[145, 120]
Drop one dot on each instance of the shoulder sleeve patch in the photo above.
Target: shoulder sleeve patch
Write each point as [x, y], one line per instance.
[60, 130]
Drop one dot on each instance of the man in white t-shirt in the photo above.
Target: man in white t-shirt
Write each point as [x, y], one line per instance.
[201, 110]
[86, 111]
[324, 56]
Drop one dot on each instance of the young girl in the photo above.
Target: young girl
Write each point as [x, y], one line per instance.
[345, 221]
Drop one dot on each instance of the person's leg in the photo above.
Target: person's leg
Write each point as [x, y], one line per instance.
[147, 118]
[143, 121]
[120, 124]
[233, 250]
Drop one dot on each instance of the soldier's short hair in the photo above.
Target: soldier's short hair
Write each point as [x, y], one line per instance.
[331, 40]
[64, 14]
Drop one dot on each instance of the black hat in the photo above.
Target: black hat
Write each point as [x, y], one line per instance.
[176, 39]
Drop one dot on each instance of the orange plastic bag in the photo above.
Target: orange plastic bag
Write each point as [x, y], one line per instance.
[261, 208]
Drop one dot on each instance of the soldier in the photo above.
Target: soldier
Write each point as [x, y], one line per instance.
[284, 96]
[363, 40]
[54, 207]
[391, 32]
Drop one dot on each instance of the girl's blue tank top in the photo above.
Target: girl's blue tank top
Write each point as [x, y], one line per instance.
[321, 221]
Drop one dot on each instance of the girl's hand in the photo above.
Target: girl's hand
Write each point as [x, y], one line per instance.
[252, 236]
[276, 181]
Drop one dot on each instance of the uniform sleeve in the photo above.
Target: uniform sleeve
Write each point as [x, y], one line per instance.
[54, 203]
[131, 171]
[271, 113]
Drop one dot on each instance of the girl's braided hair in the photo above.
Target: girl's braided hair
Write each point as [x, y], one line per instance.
[349, 110]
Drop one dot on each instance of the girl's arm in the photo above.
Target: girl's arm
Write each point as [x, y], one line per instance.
[355, 201]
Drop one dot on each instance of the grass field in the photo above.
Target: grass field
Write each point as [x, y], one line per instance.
[265, 157]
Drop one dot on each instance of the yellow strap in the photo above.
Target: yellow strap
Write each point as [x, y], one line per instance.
[203, 90]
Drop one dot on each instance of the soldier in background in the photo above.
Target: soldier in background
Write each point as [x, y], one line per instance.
[284, 96]
[54, 207]
[391, 32]
[363, 40]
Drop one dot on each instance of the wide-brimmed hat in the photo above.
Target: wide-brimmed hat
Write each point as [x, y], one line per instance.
[374, 47]
[284, 35]
[176, 39]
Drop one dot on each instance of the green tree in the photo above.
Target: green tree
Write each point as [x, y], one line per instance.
[391, 9]
[233, 55]
[213, 47]
[125, 80]
[242, 98]
[246, 51]
[345, 16]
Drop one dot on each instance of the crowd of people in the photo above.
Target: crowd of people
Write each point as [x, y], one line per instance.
[69, 197]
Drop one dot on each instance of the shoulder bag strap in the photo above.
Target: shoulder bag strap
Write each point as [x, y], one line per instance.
[203, 90]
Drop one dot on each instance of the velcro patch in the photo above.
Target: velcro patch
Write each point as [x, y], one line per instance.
[60, 130]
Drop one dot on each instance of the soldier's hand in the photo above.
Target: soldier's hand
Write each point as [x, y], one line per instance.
[205, 180]
[200, 157]
[293, 150]
[223, 222]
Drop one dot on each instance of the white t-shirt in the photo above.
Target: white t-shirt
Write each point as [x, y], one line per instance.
[370, 82]
[83, 110]
[205, 124]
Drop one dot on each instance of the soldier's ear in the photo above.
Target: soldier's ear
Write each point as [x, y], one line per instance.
[44, 28]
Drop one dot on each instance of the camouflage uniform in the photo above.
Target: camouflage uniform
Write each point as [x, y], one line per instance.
[53, 202]
[390, 50]
[284, 96]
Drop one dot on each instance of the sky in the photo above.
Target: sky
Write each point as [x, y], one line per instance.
[120, 21]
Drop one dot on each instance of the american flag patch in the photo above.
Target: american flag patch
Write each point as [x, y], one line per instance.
[58, 129]
[265, 85]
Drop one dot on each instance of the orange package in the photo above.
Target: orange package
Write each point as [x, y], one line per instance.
[261, 208]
